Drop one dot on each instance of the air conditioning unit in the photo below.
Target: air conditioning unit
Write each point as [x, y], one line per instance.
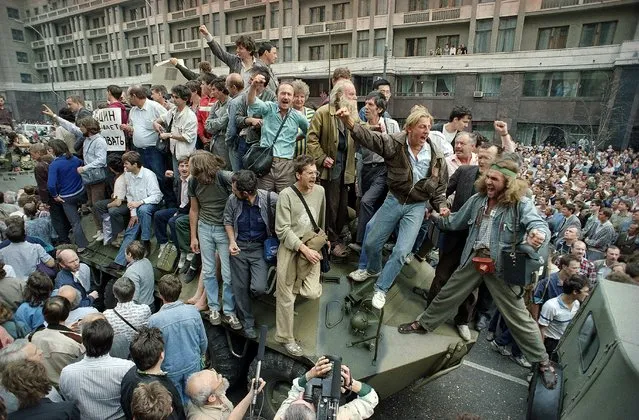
[478, 94]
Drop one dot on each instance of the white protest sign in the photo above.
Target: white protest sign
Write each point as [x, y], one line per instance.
[110, 120]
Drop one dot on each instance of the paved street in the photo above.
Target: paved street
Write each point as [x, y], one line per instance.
[487, 384]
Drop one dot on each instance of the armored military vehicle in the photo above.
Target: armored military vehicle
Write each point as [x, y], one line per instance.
[598, 367]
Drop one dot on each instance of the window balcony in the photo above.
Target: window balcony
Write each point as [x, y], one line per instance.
[257, 36]
[94, 33]
[135, 24]
[137, 52]
[67, 62]
[240, 4]
[42, 65]
[432, 15]
[334, 27]
[64, 39]
[99, 58]
[38, 44]
[185, 46]
[184, 14]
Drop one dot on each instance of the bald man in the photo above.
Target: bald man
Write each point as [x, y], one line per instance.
[77, 312]
[207, 391]
[74, 273]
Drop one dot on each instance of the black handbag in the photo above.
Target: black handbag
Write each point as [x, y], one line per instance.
[259, 159]
[93, 176]
[521, 262]
[325, 262]
[164, 145]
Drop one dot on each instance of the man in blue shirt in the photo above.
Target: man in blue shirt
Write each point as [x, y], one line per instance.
[183, 331]
[280, 117]
[249, 218]
[550, 287]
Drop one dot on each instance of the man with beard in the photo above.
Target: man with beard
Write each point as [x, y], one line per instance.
[330, 143]
[277, 117]
[491, 215]
[417, 173]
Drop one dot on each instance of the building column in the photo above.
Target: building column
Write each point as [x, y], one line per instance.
[495, 29]
[87, 49]
[295, 22]
[519, 29]
[470, 44]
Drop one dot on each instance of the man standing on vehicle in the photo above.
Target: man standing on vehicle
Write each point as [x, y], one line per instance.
[491, 215]
[417, 173]
[298, 256]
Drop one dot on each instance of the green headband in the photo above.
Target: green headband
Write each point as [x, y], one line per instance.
[505, 171]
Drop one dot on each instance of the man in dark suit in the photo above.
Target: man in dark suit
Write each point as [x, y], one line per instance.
[462, 184]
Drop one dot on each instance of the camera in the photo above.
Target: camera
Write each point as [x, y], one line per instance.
[324, 393]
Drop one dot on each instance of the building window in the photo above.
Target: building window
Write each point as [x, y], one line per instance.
[593, 83]
[22, 57]
[426, 85]
[275, 15]
[288, 12]
[381, 7]
[317, 14]
[147, 68]
[179, 5]
[482, 36]
[339, 51]
[417, 5]
[240, 25]
[216, 24]
[288, 50]
[138, 69]
[181, 36]
[450, 40]
[506, 34]
[195, 33]
[15, 14]
[67, 53]
[98, 47]
[25, 78]
[552, 38]
[380, 42]
[316, 53]
[362, 43]
[70, 76]
[102, 73]
[601, 33]
[553, 84]
[136, 41]
[489, 84]
[416, 47]
[17, 35]
[109, 72]
[449, 3]
[364, 8]
[340, 11]
[364, 83]
[258, 22]
[145, 40]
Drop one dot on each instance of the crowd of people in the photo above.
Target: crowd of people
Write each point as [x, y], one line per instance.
[229, 164]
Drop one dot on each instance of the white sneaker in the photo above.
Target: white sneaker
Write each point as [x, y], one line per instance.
[379, 299]
[97, 235]
[521, 361]
[464, 332]
[361, 275]
[182, 260]
[214, 317]
[409, 258]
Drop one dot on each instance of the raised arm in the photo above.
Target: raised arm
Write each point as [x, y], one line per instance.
[226, 57]
[507, 142]
[380, 143]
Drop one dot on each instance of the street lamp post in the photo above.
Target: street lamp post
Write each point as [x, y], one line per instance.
[46, 51]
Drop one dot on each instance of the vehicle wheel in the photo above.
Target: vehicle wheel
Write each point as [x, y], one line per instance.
[278, 371]
[219, 355]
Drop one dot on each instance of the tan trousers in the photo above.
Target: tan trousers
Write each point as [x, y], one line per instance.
[295, 275]
[95, 193]
[462, 283]
[282, 175]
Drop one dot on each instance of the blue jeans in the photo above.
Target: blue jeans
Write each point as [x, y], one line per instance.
[162, 219]
[236, 153]
[70, 208]
[409, 217]
[145, 220]
[213, 239]
[180, 378]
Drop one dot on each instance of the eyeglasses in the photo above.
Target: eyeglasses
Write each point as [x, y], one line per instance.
[316, 173]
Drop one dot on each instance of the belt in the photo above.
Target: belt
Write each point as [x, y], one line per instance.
[251, 242]
[280, 159]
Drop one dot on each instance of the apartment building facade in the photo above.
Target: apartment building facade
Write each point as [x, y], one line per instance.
[556, 70]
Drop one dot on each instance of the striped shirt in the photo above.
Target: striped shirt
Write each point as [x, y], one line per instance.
[556, 316]
[137, 315]
[93, 384]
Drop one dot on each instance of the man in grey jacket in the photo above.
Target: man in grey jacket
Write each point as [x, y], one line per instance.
[218, 119]
[249, 218]
[242, 61]
[499, 215]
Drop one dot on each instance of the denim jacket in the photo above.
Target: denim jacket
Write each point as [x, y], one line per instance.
[184, 336]
[233, 210]
[503, 229]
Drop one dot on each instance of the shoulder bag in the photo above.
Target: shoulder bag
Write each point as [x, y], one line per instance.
[271, 244]
[162, 144]
[125, 321]
[93, 176]
[325, 263]
[520, 262]
[259, 159]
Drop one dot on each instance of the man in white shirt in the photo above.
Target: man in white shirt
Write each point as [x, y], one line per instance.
[178, 125]
[127, 314]
[93, 383]
[142, 195]
[115, 205]
[458, 120]
[143, 114]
